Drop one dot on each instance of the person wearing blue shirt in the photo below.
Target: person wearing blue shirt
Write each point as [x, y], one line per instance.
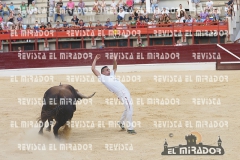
[109, 24]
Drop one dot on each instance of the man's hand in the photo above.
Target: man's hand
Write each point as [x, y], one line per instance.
[97, 57]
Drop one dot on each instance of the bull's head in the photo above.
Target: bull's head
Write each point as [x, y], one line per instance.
[81, 96]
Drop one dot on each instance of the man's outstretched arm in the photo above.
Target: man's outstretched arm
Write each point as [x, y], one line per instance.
[114, 64]
[94, 64]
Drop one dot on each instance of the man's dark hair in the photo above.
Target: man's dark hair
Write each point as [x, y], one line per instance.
[103, 68]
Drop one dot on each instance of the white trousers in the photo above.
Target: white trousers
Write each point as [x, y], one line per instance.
[125, 97]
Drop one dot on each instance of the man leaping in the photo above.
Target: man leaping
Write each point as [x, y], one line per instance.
[108, 78]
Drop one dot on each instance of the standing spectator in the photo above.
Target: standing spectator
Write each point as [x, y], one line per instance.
[58, 12]
[23, 9]
[32, 9]
[113, 7]
[179, 10]
[103, 6]
[75, 19]
[6, 9]
[164, 11]
[157, 13]
[95, 6]
[81, 7]
[154, 4]
[209, 5]
[121, 15]
[183, 15]
[70, 7]
[109, 24]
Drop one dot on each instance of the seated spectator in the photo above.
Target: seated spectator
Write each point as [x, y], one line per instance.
[209, 5]
[23, 9]
[204, 15]
[121, 15]
[120, 5]
[141, 16]
[98, 24]
[1, 9]
[216, 15]
[113, 7]
[230, 3]
[102, 46]
[36, 26]
[226, 9]
[196, 2]
[70, 7]
[90, 25]
[165, 11]
[189, 20]
[135, 13]
[199, 20]
[133, 23]
[95, 6]
[131, 17]
[142, 2]
[58, 25]
[12, 8]
[81, 24]
[108, 24]
[179, 10]
[65, 24]
[49, 25]
[81, 7]
[157, 13]
[183, 15]
[1, 21]
[43, 26]
[19, 18]
[179, 20]
[146, 18]
[29, 2]
[51, 7]
[166, 19]
[10, 19]
[129, 5]
[58, 12]
[154, 4]
[73, 24]
[75, 19]
[207, 21]
[103, 6]
[5, 9]
[150, 23]
[138, 23]
[32, 9]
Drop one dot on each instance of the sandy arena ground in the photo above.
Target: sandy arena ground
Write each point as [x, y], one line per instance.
[147, 144]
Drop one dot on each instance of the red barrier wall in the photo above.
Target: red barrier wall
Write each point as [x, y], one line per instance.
[161, 54]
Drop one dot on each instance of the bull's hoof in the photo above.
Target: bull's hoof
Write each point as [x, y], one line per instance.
[48, 129]
[40, 132]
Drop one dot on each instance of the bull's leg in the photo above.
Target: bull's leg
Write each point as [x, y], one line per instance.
[41, 129]
[50, 120]
[55, 129]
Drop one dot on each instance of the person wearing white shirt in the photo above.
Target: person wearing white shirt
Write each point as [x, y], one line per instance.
[121, 15]
[113, 6]
[209, 5]
[110, 81]
[179, 10]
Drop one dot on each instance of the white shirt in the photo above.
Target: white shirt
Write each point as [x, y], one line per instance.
[122, 14]
[112, 83]
[209, 4]
[114, 4]
[165, 12]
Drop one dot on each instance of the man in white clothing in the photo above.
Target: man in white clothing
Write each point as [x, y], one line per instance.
[108, 78]
[209, 5]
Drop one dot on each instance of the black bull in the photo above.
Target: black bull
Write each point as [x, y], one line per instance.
[59, 104]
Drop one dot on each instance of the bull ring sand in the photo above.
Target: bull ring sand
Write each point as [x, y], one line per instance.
[166, 106]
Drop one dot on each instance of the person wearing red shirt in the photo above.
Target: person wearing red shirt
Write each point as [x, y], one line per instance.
[207, 20]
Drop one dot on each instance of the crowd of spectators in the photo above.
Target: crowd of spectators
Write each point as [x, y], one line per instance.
[136, 18]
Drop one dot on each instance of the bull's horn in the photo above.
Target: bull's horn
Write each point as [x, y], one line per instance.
[82, 96]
